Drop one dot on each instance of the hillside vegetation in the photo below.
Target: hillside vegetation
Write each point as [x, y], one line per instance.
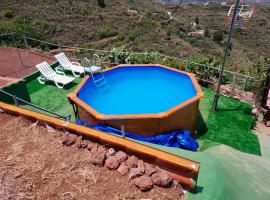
[139, 25]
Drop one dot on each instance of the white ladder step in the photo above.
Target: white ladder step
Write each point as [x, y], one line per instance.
[100, 79]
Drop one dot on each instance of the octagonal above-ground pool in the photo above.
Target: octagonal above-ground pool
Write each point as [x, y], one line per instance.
[146, 99]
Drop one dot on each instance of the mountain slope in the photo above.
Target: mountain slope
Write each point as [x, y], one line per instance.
[140, 26]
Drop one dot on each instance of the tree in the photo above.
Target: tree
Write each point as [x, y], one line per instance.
[218, 36]
[197, 20]
[101, 3]
[259, 72]
[207, 33]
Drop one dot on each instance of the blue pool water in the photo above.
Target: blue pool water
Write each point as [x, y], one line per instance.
[138, 90]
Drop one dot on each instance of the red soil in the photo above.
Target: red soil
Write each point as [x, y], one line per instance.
[11, 66]
[34, 165]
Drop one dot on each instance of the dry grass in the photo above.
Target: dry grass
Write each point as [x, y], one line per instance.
[34, 165]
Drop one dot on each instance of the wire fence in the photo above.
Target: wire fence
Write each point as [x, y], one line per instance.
[7, 36]
[21, 102]
[205, 73]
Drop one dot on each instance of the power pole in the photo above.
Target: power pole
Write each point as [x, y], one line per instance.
[216, 98]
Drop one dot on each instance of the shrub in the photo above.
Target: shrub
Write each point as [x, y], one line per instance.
[259, 71]
[207, 33]
[8, 14]
[117, 55]
[218, 36]
[132, 35]
[121, 35]
[21, 27]
[142, 58]
[101, 3]
[107, 32]
[197, 20]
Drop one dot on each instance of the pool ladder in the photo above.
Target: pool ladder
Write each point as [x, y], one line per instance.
[100, 82]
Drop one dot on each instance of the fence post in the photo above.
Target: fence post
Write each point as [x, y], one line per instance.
[59, 46]
[246, 82]
[17, 49]
[233, 84]
[186, 67]
[123, 131]
[25, 42]
[15, 100]
[116, 60]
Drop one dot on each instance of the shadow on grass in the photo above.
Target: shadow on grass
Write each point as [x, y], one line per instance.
[66, 87]
[238, 108]
[230, 126]
[200, 126]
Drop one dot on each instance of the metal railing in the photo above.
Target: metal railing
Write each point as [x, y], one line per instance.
[13, 36]
[17, 101]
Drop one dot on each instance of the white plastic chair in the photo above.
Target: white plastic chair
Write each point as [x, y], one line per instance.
[74, 67]
[47, 73]
[92, 68]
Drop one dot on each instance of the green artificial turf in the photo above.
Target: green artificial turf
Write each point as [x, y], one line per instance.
[52, 98]
[230, 126]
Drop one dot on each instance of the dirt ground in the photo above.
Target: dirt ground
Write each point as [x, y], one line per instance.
[35, 165]
[11, 66]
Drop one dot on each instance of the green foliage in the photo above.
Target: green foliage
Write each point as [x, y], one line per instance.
[117, 55]
[8, 14]
[202, 70]
[21, 27]
[84, 11]
[142, 58]
[132, 35]
[107, 31]
[121, 35]
[197, 20]
[101, 3]
[259, 71]
[207, 33]
[218, 36]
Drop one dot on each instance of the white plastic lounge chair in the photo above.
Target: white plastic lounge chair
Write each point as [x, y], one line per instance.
[74, 67]
[47, 73]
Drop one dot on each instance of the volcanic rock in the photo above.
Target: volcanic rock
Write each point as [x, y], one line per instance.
[141, 166]
[98, 156]
[162, 179]
[149, 169]
[123, 168]
[121, 156]
[134, 173]
[132, 162]
[112, 162]
[144, 183]
[110, 152]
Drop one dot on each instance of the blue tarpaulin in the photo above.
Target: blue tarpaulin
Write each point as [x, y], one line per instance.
[179, 138]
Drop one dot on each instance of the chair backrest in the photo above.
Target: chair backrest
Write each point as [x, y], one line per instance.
[45, 69]
[63, 60]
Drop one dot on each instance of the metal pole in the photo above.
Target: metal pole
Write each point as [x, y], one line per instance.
[186, 67]
[123, 131]
[25, 42]
[17, 49]
[216, 98]
[15, 100]
[233, 84]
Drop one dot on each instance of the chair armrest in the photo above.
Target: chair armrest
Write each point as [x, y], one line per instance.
[59, 70]
[76, 63]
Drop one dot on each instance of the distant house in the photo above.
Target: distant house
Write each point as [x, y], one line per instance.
[199, 33]
[223, 3]
[206, 3]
